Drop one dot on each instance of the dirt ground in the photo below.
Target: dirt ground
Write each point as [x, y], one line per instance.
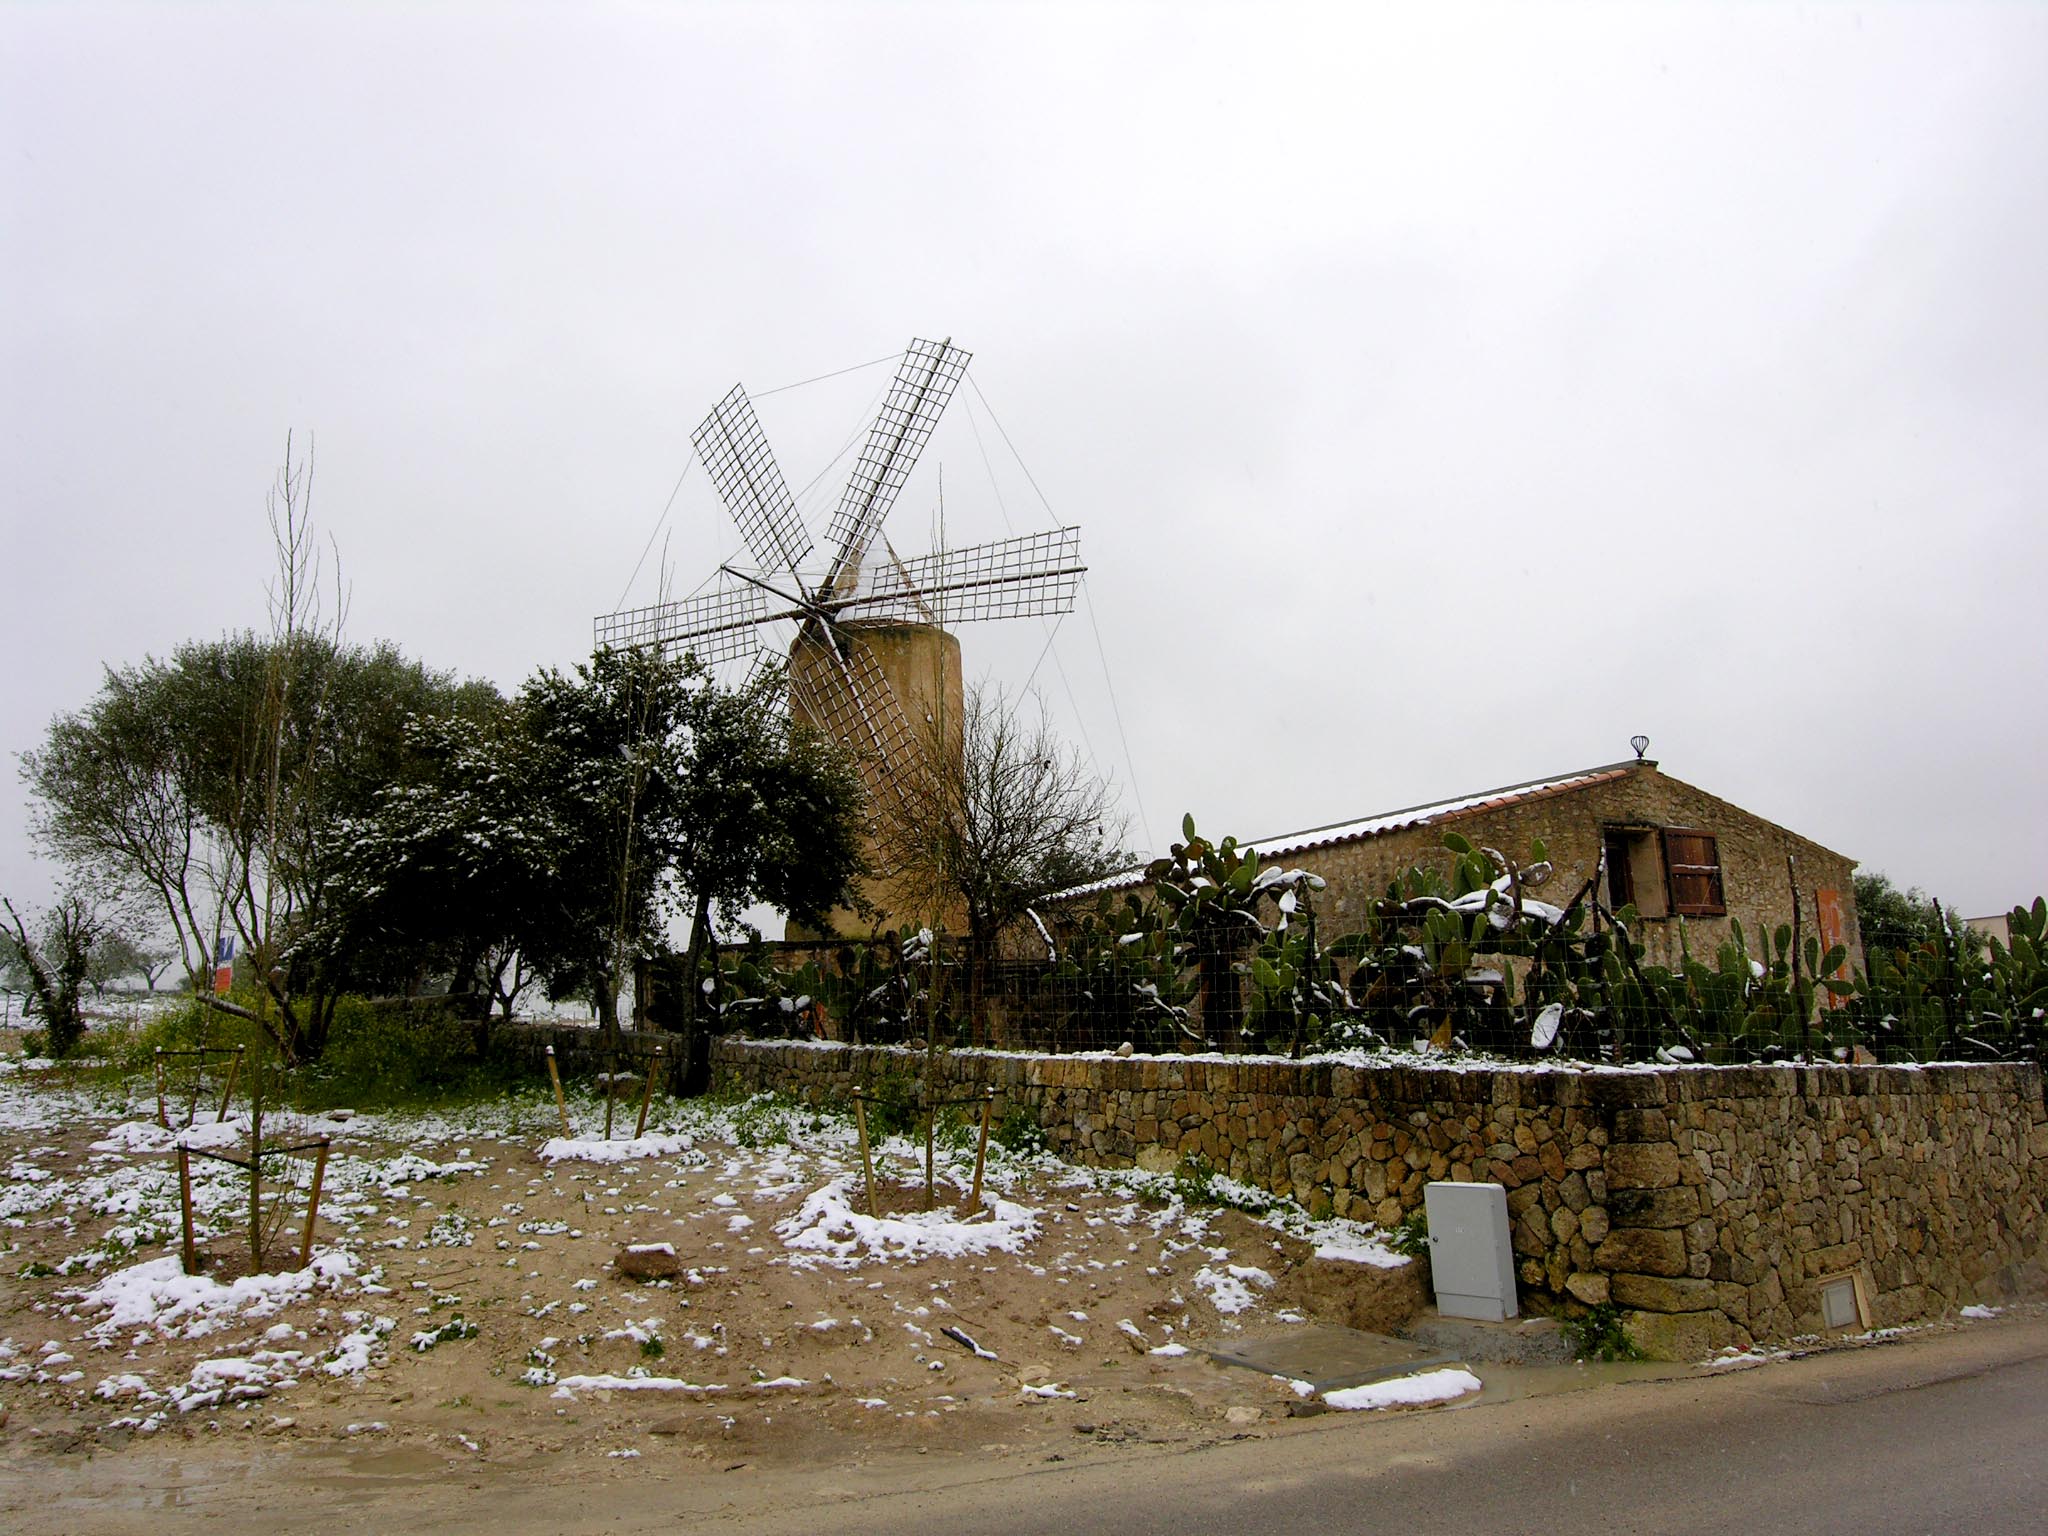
[468, 1311]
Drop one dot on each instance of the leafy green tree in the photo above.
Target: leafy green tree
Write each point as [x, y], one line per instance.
[1891, 919]
[561, 831]
[762, 812]
[166, 788]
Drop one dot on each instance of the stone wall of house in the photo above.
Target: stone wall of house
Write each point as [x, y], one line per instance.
[1706, 1202]
[1569, 823]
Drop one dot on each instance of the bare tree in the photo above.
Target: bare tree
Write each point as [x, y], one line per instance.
[1018, 814]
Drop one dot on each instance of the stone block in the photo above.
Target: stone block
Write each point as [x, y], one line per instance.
[1593, 1289]
[1642, 1165]
[1682, 1336]
[1657, 1293]
[1594, 1223]
[1654, 1207]
[1641, 1125]
[1644, 1250]
[1616, 1090]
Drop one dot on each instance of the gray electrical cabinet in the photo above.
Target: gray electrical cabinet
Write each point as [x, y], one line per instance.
[1471, 1256]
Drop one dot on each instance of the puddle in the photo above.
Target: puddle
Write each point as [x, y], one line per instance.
[1511, 1383]
[1330, 1357]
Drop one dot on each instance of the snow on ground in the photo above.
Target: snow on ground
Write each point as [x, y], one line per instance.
[581, 1149]
[158, 1294]
[487, 1241]
[828, 1225]
[1417, 1391]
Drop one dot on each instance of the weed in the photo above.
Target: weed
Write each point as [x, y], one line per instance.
[1194, 1180]
[893, 1108]
[1599, 1335]
[454, 1328]
[1019, 1131]
[1410, 1235]
[652, 1349]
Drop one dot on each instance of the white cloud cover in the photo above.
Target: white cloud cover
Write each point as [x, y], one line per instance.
[1446, 393]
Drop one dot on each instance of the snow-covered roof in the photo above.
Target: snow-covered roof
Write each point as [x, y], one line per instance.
[1290, 843]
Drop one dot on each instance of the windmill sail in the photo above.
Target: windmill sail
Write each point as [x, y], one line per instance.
[720, 625]
[847, 697]
[735, 451]
[924, 382]
[866, 641]
[1034, 573]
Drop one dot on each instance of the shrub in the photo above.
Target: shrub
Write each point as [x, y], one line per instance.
[1410, 1235]
[1599, 1336]
[1019, 1131]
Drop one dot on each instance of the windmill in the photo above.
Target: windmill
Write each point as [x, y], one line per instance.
[872, 664]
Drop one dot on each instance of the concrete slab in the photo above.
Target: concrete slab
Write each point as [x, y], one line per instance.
[1328, 1357]
[1523, 1341]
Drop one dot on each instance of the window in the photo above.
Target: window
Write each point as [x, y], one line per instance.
[1692, 870]
[1621, 885]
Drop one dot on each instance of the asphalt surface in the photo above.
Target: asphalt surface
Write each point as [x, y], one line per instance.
[1945, 1430]
[1944, 1434]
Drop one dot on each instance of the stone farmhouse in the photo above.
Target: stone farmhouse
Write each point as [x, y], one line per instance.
[1676, 852]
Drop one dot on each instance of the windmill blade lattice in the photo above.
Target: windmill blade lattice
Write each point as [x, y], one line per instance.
[717, 626]
[837, 681]
[1022, 577]
[849, 698]
[735, 451]
[924, 382]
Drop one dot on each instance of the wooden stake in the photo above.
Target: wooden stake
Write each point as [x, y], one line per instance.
[611, 1090]
[191, 1257]
[162, 1116]
[313, 1204]
[647, 1094]
[234, 1071]
[988, 1105]
[867, 1162]
[561, 1104]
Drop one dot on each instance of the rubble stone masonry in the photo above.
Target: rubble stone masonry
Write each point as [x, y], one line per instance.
[1705, 1202]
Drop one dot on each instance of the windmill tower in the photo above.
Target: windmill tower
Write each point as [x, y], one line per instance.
[872, 663]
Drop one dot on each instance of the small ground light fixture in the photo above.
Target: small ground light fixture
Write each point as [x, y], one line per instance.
[1641, 744]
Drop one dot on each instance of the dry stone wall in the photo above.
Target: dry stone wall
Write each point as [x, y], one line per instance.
[1706, 1202]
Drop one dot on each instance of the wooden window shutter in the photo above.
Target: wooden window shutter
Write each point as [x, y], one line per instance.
[1692, 867]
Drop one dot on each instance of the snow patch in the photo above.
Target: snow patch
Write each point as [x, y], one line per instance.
[575, 1149]
[828, 1225]
[1407, 1391]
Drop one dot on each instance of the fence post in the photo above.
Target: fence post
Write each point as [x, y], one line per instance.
[867, 1162]
[988, 1105]
[234, 1071]
[313, 1204]
[561, 1104]
[191, 1252]
[647, 1092]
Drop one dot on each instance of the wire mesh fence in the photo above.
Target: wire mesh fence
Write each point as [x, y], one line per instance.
[1439, 980]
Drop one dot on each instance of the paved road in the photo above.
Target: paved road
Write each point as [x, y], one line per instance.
[1944, 1432]
[1944, 1435]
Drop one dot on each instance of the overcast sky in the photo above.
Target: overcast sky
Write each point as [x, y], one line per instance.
[1445, 394]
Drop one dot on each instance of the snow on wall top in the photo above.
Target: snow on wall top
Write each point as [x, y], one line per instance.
[1387, 821]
